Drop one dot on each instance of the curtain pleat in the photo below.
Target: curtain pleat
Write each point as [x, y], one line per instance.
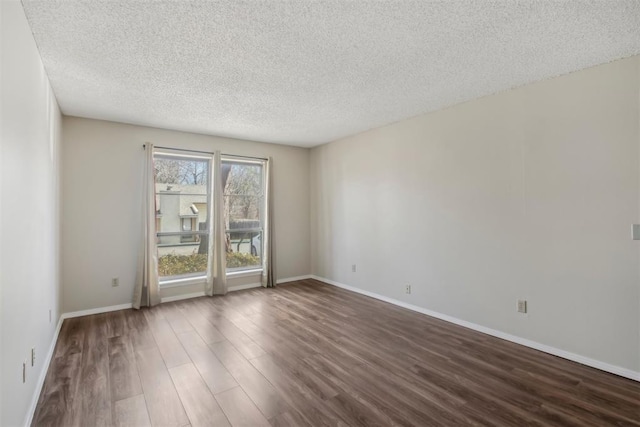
[146, 291]
[269, 256]
[217, 271]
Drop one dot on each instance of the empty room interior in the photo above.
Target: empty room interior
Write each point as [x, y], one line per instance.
[319, 213]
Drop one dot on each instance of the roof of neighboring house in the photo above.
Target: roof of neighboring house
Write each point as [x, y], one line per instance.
[188, 194]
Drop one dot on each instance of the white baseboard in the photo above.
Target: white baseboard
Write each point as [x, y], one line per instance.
[43, 375]
[96, 310]
[292, 279]
[603, 366]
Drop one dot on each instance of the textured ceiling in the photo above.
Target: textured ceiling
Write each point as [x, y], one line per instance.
[308, 72]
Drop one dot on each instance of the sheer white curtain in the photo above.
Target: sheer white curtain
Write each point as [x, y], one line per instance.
[217, 268]
[146, 291]
[269, 255]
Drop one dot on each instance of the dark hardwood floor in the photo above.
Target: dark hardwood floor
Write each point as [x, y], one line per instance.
[308, 354]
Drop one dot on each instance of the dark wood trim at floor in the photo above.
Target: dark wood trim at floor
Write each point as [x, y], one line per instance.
[309, 354]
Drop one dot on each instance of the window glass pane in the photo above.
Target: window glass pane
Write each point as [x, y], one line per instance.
[181, 170]
[245, 250]
[243, 179]
[182, 208]
[243, 213]
[181, 261]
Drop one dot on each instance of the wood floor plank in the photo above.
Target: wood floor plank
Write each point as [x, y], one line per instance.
[355, 412]
[141, 339]
[116, 323]
[132, 412]
[163, 403]
[394, 404]
[207, 331]
[240, 410]
[138, 329]
[60, 401]
[241, 341]
[289, 419]
[200, 405]
[172, 351]
[123, 371]
[278, 342]
[71, 339]
[308, 354]
[298, 396]
[175, 318]
[308, 384]
[94, 383]
[137, 319]
[257, 387]
[213, 372]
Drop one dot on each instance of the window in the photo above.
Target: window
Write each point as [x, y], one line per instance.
[183, 211]
[182, 205]
[244, 206]
[189, 224]
[186, 224]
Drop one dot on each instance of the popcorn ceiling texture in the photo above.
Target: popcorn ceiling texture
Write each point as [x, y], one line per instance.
[308, 72]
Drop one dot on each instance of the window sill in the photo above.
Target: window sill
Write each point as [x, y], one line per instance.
[174, 283]
[244, 273]
[202, 279]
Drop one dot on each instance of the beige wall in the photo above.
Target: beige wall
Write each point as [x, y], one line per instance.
[101, 206]
[528, 194]
[30, 124]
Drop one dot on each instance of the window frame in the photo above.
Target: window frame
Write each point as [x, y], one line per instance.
[254, 269]
[189, 278]
[236, 272]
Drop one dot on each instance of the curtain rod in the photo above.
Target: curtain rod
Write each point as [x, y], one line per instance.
[206, 152]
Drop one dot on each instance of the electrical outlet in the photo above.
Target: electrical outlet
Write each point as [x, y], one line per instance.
[522, 306]
[33, 356]
[407, 289]
[24, 372]
[353, 268]
[115, 282]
